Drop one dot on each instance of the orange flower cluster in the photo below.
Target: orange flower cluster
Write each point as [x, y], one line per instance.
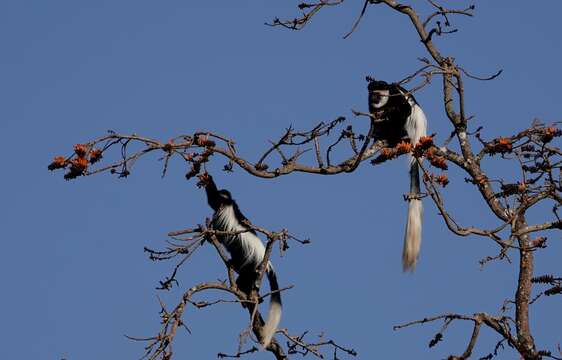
[95, 156]
[549, 133]
[77, 166]
[404, 147]
[441, 179]
[81, 150]
[500, 145]
[539, 242]
[386, 154]
[437, 161]
[505, 143]
[425, 143]
[512, 189]
[59, 162]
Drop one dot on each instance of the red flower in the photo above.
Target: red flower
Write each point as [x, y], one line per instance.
[404, 147]
[79, 163]
[442, 180]
[77, 168]
[95, 156]
[59, 162]
[80, 150]
[426, 141]
[388, 153]
[439, 162]
[504, 144]
[549, 133]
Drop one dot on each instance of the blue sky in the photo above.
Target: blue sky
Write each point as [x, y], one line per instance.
[74, 275]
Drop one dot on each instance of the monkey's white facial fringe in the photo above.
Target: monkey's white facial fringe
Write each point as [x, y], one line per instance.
[412, 238]
[382, 100]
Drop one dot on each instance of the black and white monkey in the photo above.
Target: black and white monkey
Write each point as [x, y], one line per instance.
[246, 250]
[402, 117]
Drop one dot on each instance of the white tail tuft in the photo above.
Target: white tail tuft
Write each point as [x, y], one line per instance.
[416, 127]
[270, 327]
[275, 307]
[412, 238]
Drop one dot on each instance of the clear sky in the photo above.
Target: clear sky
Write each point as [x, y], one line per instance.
[73, 272]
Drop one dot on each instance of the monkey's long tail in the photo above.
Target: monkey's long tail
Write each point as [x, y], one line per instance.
[412, 238]
[275, 307]
[416, 127]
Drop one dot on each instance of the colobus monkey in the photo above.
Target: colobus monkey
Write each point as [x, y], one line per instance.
[402, 117]
[246, 250]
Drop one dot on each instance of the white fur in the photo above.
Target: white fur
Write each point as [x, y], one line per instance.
[384, 96]
[412, 237]
[254, 250]
[273, 316]
[416, 124]
[416, 127]
[252, 245]
[270, 327]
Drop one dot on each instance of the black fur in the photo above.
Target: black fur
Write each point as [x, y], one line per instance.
[246, 252]
[395, 112]
[401, 117]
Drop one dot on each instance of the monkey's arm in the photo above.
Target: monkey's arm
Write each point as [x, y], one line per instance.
[213, 197]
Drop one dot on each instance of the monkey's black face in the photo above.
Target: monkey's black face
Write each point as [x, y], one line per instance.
[378, 98]
[379, 92]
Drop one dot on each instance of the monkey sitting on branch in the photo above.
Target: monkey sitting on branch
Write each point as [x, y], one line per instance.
[402, 117]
